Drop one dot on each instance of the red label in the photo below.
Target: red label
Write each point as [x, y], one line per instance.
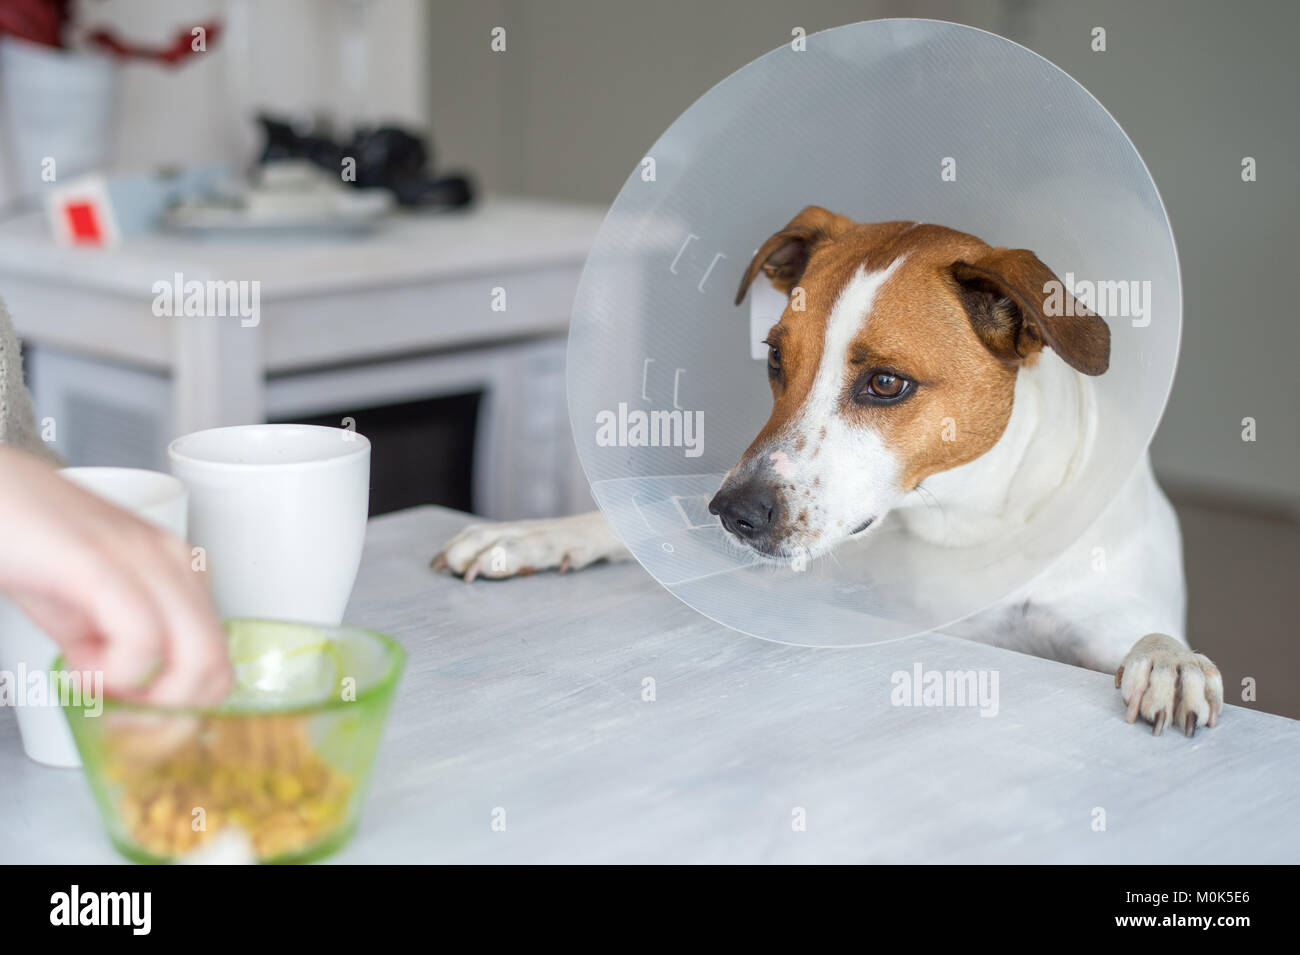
[83, 222]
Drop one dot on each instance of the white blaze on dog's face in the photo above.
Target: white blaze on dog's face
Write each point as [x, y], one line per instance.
[836, 471]
[896, 361]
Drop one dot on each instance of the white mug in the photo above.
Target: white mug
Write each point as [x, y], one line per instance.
[280, 512]
[26, 653]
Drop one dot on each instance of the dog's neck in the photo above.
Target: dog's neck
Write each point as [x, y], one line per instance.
[1046, 440]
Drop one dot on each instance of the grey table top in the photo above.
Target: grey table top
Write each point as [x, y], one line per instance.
[524, 702]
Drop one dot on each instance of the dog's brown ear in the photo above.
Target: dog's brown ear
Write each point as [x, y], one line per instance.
[785, 255]
[1017, 305]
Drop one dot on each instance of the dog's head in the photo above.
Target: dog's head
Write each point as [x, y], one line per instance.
[895, 359]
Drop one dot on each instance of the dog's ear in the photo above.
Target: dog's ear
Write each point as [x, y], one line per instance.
[784, 256]
[1017, 305]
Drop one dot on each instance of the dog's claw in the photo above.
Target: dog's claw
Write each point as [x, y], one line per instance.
[439, 562]
[1189, 727]
[565, 564]
[1119, 676]
[1135, 703]
[1159, 725]
[1131, 714]
[472, 571]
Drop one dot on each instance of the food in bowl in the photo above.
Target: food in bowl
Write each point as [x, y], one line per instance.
[282, 763]
[258, 774]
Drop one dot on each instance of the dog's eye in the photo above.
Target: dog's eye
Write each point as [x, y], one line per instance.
[885, 386]
[773, 358]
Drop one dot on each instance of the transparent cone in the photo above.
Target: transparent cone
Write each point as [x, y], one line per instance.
[866, 122]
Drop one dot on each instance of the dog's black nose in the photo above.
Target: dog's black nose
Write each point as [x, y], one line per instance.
[747, 512]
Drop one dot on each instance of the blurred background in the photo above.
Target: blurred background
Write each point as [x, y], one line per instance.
[494, 166]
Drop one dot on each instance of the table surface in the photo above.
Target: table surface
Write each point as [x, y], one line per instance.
[498, 234]
[527, 697]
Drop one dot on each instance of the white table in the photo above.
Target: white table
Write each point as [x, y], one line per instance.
[420, 282]
[527, 696]
[410, 311]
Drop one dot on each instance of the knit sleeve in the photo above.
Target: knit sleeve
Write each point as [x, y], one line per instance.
[17, 424]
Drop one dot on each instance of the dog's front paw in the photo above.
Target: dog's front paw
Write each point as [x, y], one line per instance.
[1162, 680]
[517, 548]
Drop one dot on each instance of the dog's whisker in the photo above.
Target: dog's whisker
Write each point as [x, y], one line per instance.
[932, 502]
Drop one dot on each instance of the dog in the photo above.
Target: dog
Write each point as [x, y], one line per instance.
[890, 328]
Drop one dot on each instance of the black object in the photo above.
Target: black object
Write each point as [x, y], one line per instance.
[386, 157]
[421, 452]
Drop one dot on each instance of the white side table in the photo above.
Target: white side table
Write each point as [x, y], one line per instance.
[413, 310]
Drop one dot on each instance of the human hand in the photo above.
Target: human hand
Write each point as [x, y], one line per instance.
[116, 593]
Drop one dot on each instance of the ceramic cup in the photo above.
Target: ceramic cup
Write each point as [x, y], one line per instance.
[26, 653]
[280, 511]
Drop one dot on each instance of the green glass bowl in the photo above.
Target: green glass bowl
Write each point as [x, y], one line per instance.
[279, 769]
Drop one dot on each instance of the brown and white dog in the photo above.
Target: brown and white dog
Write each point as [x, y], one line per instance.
[898, 326]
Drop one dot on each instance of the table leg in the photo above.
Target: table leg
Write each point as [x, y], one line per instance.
[218, 378]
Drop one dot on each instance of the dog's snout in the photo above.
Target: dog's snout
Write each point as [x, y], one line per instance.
[748, 512]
